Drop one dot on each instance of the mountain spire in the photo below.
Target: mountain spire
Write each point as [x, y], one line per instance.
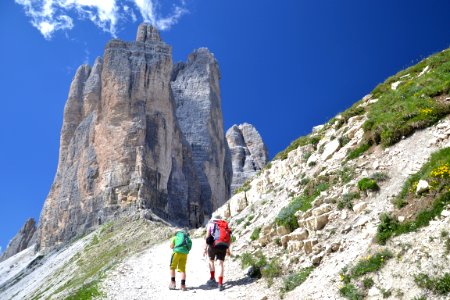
[147, 33]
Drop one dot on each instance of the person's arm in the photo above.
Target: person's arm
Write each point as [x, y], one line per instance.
[172, 243]
[208, 233]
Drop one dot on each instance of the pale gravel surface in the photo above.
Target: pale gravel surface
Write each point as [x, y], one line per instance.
[43, 274]
[13, 265]
[146, 276]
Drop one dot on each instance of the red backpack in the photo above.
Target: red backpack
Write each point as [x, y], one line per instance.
[221, 234]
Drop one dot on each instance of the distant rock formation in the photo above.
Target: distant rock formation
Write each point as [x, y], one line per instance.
[248, 152]
[139, 133]
[195, 86]
[22, 240]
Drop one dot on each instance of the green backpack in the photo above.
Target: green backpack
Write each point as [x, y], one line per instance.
[183, 243]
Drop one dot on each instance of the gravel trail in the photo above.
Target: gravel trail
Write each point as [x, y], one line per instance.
[146, 276]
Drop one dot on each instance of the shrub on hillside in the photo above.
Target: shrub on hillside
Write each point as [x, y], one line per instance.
[367, 184]
[358, 150]
[294, 280]
[271, 271]
[438, 285]
[389, 227]
[255, 234]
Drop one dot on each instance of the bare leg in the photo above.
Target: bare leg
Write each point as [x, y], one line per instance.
[183, 276]
[221, 268]
[211, 266]
[172, 276]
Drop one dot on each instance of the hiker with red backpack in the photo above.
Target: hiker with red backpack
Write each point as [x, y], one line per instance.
[181, 244]
[217, 246]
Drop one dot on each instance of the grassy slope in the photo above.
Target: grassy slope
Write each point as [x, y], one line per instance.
[110, 244]
[418, 101]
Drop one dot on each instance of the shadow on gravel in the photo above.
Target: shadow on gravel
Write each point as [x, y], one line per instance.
[226, 284]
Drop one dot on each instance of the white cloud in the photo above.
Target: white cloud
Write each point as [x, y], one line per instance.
[150, 13]
[49, 16]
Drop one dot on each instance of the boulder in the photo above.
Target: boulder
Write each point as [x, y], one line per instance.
[322, 209]
[315, 223]
[282, 230]
[359, 207]
[330, 148]
[422, 187]
[308, 245]
[238, 203]
[299, 234]
[294, 246]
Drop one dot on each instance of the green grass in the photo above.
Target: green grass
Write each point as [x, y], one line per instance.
[261, 267]
[368, 283]
[286, 217]
[436, 172]
[256, 259]
[311, 139]
[346, 174]
[367, 265]
[271, 271]
[243, 188]
[347, 200]
[368, 184]
[109, 246]
[255, 234]
[370, 264]
[436, 161]
[379, 176]
[86, 292]
[397, 113]
[438, 285]
[389, 227]
[349, 291]
[343, 140]
[354, 110]
[294, 280]
[358, 151]
[412, 105]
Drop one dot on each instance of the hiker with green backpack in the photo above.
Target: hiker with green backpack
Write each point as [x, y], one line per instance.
[181, 244]
[218, 240]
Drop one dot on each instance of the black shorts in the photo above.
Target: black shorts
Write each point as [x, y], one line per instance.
[217, 253]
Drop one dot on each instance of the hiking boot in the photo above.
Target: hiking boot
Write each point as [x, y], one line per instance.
[184, 288]
[212, 282]
[172, 286]
[221, 287]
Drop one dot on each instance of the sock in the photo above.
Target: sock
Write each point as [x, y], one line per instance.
[213, 275]
[183, 281]
[220, 280]
[172, 279]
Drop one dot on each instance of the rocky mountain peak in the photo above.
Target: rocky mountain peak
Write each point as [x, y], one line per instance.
[147, 33]
[248, 152]
[23, 239]
[139, 133]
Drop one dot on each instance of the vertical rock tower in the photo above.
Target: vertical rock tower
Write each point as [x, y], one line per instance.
[139, 133]
[248, 152]
[196, 90]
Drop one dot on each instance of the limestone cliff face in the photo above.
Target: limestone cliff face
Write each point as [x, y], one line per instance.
[248, 152]
[196, 90]
[23, 239]
[125, 141]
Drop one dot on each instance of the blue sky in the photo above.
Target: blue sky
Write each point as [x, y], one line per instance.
[286, 66]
